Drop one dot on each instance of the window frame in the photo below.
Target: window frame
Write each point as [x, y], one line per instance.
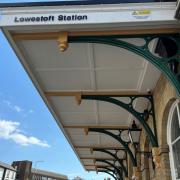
[169, 136]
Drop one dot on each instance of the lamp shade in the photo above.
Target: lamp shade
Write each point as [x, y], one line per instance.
[134, 133]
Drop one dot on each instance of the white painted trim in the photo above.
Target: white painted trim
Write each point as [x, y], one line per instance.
[115, 15]
[171, 158]
[177, 139]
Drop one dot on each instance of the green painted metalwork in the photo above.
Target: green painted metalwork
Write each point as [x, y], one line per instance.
[163, 64]
[107, 172]
[119, 139]
[168, 65]
[108, 169]
[142, 117]
[117, 169]
[114, 155]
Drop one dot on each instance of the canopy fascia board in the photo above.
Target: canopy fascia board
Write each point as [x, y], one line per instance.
[98, 16]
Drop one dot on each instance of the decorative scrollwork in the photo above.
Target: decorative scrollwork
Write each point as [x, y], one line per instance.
[114, 155]
[142, 117]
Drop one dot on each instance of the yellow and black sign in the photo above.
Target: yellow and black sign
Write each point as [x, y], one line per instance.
[141, 14]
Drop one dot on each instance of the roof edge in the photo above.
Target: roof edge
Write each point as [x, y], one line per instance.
[77, 2]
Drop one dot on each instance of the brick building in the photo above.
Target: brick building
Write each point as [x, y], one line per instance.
[22, 170]
[109, 73]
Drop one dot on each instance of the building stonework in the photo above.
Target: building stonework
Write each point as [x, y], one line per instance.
[164, 95]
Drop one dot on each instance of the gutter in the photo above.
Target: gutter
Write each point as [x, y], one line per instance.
[76, 2]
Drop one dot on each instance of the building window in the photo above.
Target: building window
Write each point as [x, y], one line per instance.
[7, 174]
[1, 173]
[173, 135]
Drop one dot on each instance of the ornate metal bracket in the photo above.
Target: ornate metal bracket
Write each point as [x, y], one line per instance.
[141, 116]
[107, 172]
[119, 139]
[114, 155]
[168, 65]
[107, 169]
[117, 169]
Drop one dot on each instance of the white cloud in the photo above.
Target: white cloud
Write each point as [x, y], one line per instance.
[7, 102]
[9, 130]
[31, 111]
[18, 109]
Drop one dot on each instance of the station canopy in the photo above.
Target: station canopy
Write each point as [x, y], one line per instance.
[87, 68]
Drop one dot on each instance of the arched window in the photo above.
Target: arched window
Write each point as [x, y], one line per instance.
[173, 138]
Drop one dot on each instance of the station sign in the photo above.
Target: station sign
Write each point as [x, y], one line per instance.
[15, 17]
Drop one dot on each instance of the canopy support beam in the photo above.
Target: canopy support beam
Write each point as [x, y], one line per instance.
[118, 138]
[120, 161]
[115, 168]
[107, 172]
[141, 117]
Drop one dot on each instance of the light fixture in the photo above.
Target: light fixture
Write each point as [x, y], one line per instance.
[134, 134]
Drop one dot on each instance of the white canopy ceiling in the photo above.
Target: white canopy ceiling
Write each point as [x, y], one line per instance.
[88, 67]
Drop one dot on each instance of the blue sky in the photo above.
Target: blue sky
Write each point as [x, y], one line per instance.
[27, 129]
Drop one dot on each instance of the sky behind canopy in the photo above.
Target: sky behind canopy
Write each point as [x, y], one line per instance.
[27, 129]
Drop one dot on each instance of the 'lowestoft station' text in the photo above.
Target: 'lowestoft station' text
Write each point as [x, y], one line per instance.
[51, 18]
